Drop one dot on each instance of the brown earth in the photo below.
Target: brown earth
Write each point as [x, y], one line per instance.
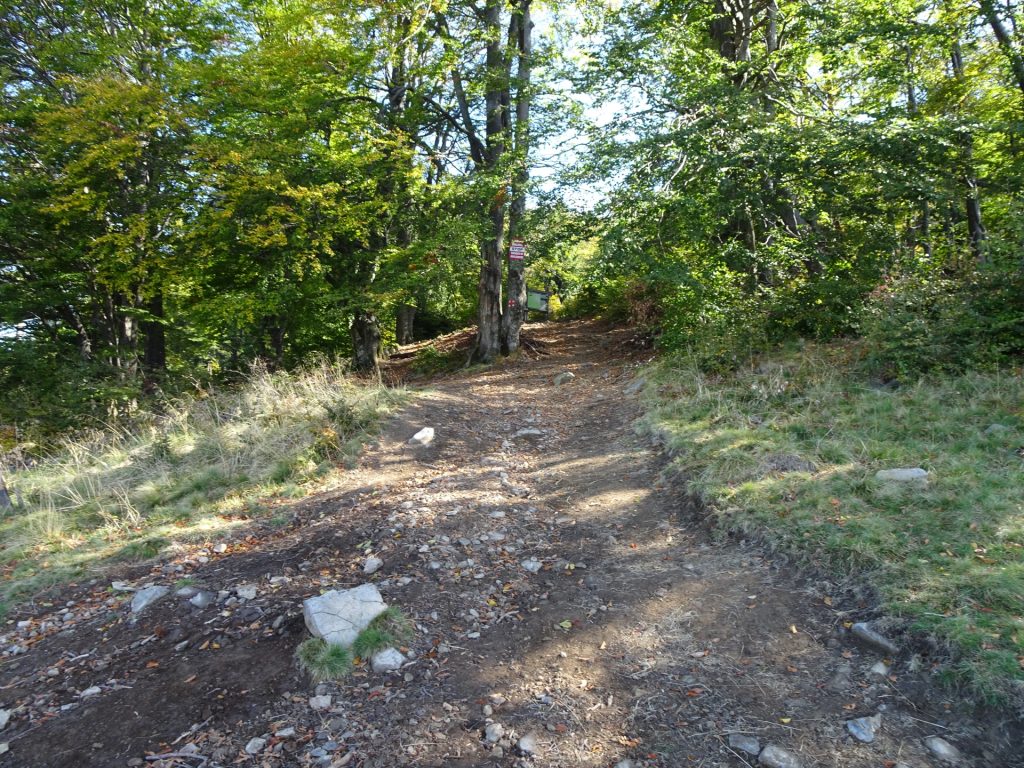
[642, 638]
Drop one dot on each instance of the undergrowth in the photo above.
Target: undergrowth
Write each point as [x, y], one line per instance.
[789, 449]
[322, 660]
[203, 465]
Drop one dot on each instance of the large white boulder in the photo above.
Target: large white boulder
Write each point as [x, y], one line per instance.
[339, 616]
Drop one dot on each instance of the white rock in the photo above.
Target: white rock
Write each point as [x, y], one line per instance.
[186, 592]
[93, 691]
[246, 592]
[879, 668]
[564, 378]
[255, 746]
[202, 599]
[339, 616]
[527, 745]
[4, 748]
[903, 475]
[388, 660]
[423, 438]
[372, 565]
[494, 732]
[625, 764]
[318, 703]
[745, 743]
[777, 757]
[864, 728]
[120, 586]
[285, 733]
[146, 597]
[5, 717]
[533, 565]
[220, 548]
[943, 750]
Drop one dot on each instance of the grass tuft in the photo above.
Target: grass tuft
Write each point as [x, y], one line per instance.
[323, 661]
[371, 640]
[789, 450]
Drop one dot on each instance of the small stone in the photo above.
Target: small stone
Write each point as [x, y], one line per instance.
[423, 438]
[285, 733]
[117, 586]
[372, 564]
[246, 592]
[4, 747]
[5, 717]
[777, 757]
[494, 732]
[488, 710]
[744, 743]
[625, 764]
[388, 660]
[186, 592]
[533, 565]
[880, 669]
[220, 548]
[636, 386]
[182, 646]
[135, 762]
[318, 703]
[863, 632]
[902, 475]
[527, 745]
[255, 746]
[864, 728]
[530, 432]
[90, 692]
[202, 599]
[146, 597]
[943, 750]
[997, 429]
[564, 378]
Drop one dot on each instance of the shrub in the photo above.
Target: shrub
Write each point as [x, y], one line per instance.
[322, 660]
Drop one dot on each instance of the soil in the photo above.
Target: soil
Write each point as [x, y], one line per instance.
[644, 636]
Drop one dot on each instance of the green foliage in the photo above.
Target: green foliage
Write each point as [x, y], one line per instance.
[931, 323]
[323, 661]
[371, 640]
[788, 449]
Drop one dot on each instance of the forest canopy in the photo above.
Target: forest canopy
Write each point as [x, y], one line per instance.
[187, 186]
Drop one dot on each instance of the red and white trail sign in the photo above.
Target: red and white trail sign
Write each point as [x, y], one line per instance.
[517, 251]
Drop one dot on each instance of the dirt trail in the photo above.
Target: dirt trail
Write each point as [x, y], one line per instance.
[638, 639]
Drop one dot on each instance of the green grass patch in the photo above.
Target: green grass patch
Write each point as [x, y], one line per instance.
[789, 450]
[190, 473]
[322, 660]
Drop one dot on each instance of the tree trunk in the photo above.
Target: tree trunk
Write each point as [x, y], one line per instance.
[975, 227]
[365, 333]
[405, 320]
[515, 312]
[488, 341]
[1006, 43]
[155, 351]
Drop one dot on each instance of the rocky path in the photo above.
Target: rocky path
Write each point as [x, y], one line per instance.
[570, 610]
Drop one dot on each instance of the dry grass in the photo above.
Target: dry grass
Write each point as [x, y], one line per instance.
[195, 469]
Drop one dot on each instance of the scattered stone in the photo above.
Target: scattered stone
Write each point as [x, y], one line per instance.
[388, 660]
[318, 703]
[864, 728]
[777, 757]
[530, 432]
[372, 565]
[880, 668]
[146, 597]
[246, 592]
[423, 438]
[625, 764]
[285, 733]
[186, 592]
[863, 632]
[533, 565]
[527, 745]
[902, 475]
[90, 692]
[182, 645]
[202, 599]
[121, 586]
[564, 378]
[4, 747]
[494, 732]
[5, 718]
[255, 746]
[339, 616]
[943, 750]
[635, 387]
[744, 743]
[842, 679]
[220, 548]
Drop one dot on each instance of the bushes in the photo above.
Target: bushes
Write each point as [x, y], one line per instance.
[936, 323]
